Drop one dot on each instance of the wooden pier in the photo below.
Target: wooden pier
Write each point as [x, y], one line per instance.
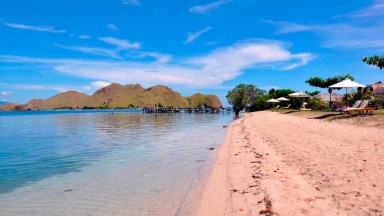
[185, 110]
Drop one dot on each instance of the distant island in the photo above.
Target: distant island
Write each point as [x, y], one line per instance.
[116, 96]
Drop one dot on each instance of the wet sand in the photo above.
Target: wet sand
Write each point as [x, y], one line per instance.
[278, 164]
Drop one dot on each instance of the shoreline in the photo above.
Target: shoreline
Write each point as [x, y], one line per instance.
[276, 164]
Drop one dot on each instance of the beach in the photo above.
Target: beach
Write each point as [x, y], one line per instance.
[273, 163]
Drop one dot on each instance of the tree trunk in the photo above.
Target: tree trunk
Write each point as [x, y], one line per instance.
[237, 111]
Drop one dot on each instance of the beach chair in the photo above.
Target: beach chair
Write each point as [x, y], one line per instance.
[363, 108]
[277, 107]
[286, 106]
[356, 105]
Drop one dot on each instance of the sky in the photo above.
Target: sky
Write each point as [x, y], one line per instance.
[48, 47]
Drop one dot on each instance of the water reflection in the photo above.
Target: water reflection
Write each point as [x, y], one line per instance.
[34, 147]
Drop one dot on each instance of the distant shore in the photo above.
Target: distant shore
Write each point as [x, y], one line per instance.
[279, 164]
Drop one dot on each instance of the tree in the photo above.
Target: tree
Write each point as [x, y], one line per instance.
[375, 60]
[312, 93]
[325, 83]
[243, 96]
[279, 93]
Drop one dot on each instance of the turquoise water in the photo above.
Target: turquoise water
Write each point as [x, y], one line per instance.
[104, 162]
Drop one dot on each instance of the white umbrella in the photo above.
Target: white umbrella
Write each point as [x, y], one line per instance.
[299, 94]
[347, 83]
[273, 101]
[282, 99]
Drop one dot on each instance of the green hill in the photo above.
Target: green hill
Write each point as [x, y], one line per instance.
[118, 96]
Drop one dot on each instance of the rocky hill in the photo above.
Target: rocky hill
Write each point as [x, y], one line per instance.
[117, 96]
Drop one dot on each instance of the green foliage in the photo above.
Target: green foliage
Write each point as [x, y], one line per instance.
[260, 103]
[317, 104]
[296, 102]
[325, 83]
[375, 60]
[243, 96]
[378, 102]
[279, 93]
[312, 93]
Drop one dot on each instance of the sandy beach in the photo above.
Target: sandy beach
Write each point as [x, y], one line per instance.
[279, 164]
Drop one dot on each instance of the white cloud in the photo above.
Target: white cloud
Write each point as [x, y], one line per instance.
[84, 37]
[343, 35]
[100, 84]
[6, 93]
[34, 28]
[204, 9]
[92, 50]
[192, 36]
[121, 44]
[36, 87]
[113, 27]
[289, 27]
[157, 57]
[131, 2]
[374, 10]
[362, 29]
[211, 69]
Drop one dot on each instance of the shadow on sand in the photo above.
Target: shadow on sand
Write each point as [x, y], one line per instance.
[326, 116]
[292, 111]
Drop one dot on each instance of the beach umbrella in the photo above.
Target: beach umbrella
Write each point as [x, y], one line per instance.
[273, 101]
[299, 94]
[347, 83]
[282, 99]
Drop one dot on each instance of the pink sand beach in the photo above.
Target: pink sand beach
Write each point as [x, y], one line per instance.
[278, 164]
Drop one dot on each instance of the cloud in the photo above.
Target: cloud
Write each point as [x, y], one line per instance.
[36, 87]
[374, 10]
[353, 31]
[49, 29]
[204, 9]
[289, 27]
[157, 57]
[6, 93]
[84, 37]
[131, 2]
[92, 50]
[112, 27]
[210, 69]
[121, 44]
[192, 36]
[342, 35]
[100, 84]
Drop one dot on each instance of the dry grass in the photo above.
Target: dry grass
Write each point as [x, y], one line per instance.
[374, 120]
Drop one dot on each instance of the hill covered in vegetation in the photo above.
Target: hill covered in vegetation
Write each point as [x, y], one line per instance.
[116, 96]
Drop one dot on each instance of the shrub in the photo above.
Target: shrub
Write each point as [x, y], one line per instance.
[317, 104]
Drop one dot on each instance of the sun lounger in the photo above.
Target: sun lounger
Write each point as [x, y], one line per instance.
[277, 107]
[286, 106]
[356, 105]
[363, 108]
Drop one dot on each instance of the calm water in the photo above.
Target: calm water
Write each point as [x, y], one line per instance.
[104, 163]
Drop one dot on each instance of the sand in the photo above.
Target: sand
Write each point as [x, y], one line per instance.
[278, 164]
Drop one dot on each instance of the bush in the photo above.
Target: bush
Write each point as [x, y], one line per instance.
[377, 102]
[261, 104]
[317, 104]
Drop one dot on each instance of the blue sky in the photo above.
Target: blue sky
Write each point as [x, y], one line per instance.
[48, 47]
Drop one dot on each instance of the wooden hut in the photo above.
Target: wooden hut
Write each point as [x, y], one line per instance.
[377, 89]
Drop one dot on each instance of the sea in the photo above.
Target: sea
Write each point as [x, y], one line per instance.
[106, 162]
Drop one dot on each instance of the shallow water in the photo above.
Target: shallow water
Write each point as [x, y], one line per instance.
[104, 163]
